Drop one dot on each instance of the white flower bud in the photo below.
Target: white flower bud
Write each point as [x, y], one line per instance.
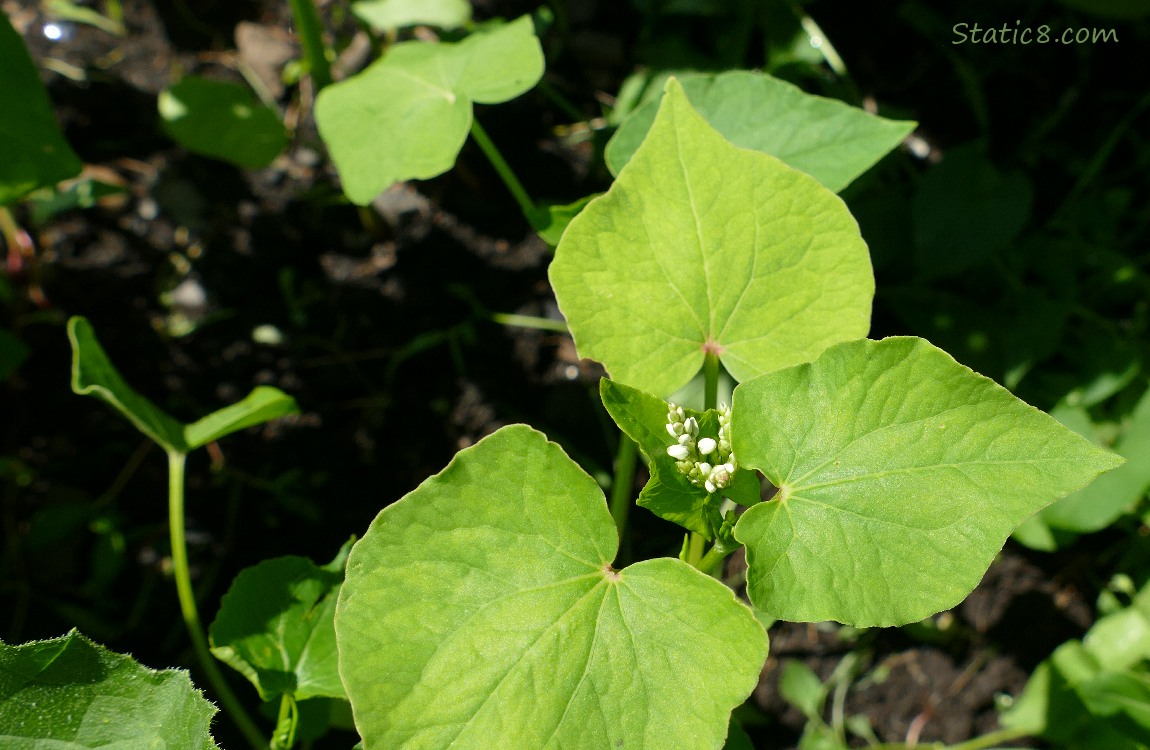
[678, 452]
[708, 486]
[704, 468]
[706, 445]
[675, 428]
[686, 439]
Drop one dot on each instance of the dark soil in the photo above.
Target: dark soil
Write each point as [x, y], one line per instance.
[389, 350]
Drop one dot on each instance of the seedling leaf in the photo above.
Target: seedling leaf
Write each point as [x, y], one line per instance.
[699, 244]
[93, 374]
[263, 404]
[69, 693]
[407, 115]
[33, 152]
[222, 120]
[901, 474]
[501, 563]
[829, 140]
[275, 626]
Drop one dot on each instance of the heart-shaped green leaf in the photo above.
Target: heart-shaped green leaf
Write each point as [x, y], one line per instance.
[222, 120]
[93, 374]
[700, 245]
[407, 115]
[33, 152]
[829, 140]
[481, 611]
[275, 626]
[900, 475]
[68, 693]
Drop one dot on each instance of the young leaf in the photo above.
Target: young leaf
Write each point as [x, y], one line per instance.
[668, 493]
[263, 404]
[69, 693]
[829, 140]
[803, 689]
[482, 611]
[900, 475]
[407, 115]
[222, 120]
[33, 152]
[699, 246]
[275, 626]
[93, 374]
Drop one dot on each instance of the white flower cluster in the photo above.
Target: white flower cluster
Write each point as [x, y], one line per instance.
[706, 462]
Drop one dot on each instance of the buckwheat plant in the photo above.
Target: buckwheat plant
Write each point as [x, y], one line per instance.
[485, 610]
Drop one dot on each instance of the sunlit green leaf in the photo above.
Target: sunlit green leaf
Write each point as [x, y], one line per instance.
[829, 140]
[901, 474]
[68, 693]
[222, 120]
[407, 115]
[482, 611]
[701, 245]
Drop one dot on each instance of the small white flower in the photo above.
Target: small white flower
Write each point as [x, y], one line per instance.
[691, 427]
[704, 468]
[708, 486]
[706, 445]
[686, 440]
[678, 452]
[674, 428]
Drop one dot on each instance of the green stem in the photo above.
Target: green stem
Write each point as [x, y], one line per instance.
[695, 554]
[711, 381]
[621, 485]
[709, 562]
[191, 615]
[504, 170]
[284, 736]
[529, 321]
[307, 21]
